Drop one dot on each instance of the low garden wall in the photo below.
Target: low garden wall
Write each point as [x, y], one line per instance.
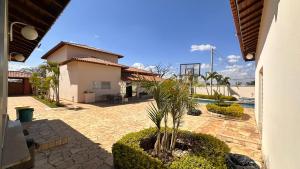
[241, 91]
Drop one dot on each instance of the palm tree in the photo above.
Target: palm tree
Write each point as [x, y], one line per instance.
[158, 112]
[226, 82]
[156, 117]
[53, 73]
[205, 78]
[212, 76]
[35, 81]
[219, 79]
[178, 102]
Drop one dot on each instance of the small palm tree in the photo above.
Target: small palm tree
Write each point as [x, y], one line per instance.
[156, 117]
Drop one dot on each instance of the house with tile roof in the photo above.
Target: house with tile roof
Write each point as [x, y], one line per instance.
[85, 69]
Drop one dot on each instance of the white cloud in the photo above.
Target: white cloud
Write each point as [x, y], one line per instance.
[139, 65]
[205, 66]
[238, 72]
[150, 68]
[233, 58]
[202, 47]
[14, 66]
[220, 59]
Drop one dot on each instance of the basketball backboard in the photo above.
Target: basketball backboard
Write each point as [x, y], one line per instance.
[190, 69]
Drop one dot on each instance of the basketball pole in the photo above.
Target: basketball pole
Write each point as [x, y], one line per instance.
[211, 67]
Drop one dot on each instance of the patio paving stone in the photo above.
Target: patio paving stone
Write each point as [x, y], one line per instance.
[93, 129]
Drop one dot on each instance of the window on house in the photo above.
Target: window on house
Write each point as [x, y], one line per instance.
[96, 85]
[105, 85]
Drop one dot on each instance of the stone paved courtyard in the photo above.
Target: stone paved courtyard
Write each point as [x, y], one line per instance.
[92, 130]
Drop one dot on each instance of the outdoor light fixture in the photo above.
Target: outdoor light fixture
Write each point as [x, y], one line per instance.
[249, 56]
[17, 56]
[28, 31]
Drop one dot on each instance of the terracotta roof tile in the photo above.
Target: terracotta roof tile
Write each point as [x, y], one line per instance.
[138, 71]
[18, 74]
[93, 60]
[62, 43]
[138, 77]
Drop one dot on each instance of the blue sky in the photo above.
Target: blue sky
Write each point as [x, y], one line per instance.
[148, 32]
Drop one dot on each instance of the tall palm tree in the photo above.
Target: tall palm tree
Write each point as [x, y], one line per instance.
[226, 83]
[205, 78]
[212, 76]
[219, 79]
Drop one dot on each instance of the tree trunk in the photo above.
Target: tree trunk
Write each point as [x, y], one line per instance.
[157, 144]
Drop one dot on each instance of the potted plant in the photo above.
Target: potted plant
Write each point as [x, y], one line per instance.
[89, 97]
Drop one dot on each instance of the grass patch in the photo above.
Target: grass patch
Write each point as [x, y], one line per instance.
[49, 103]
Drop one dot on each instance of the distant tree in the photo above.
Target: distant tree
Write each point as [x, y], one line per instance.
[52, 71]
[251, 83]
[226, 83]
[205, 78]
[212, 76]
[162, 70]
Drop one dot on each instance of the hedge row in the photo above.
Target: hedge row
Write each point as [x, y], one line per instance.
[203, 96]
[234, 110]
[209, 152]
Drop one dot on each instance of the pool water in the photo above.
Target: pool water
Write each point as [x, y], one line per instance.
[206, 101]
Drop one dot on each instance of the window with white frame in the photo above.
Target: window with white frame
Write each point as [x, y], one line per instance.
[105, 85]
[96, 85]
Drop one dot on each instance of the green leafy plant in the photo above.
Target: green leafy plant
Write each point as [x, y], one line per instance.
[225, 98]
[209, 152]
[234, 110]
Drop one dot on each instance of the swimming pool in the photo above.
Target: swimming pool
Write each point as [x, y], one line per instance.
[246, 103]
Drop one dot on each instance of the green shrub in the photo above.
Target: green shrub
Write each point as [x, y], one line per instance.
[49, 103]
[208, 152]
[192, 162]
[203, 96]
[234, 110]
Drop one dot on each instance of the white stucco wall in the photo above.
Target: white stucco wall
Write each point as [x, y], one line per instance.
[278, 55]
[87, 73]
[241, 91]
[68, 81]
[58, 56]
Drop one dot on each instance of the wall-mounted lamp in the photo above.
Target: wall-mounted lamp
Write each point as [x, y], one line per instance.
[17, 56]
[28, 31]
[249, 56]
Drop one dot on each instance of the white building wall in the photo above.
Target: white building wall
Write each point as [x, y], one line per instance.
[278, 58]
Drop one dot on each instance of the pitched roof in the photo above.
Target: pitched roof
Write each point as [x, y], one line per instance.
[247, 16]
[41, 14]
[139, 77]
[138, 71]
[93, 60]
[63, 43]
[18, 74]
